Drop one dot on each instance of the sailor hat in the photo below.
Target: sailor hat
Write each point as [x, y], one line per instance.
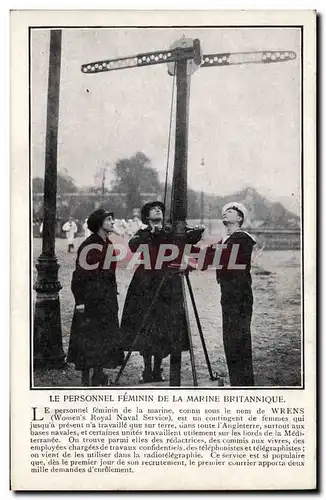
[236, 206]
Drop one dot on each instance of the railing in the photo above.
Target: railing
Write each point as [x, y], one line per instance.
[277, 239]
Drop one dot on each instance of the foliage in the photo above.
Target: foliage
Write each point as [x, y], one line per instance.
[37, 185]
[134, 176]
[136, 182]
[65, 184]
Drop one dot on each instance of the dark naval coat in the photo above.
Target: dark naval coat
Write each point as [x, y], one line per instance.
[237, 305]
[166, 330]
[236, 283]
[236, 302]
[95, 334]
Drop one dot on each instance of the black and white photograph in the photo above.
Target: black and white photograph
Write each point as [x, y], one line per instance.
[166, 207]
[163, 257]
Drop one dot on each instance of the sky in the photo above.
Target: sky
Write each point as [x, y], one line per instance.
[243, 120]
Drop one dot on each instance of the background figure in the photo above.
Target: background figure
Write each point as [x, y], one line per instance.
[166, 331]
[136, 221]
[87, 232]
[70, 229]
[95, 334]
[133, 225]
[130, 229]
[123, 226]
[118, 228]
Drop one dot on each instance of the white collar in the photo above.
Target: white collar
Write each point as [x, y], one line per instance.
[226, 237]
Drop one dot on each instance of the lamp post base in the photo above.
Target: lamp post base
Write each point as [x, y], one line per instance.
[47, 336]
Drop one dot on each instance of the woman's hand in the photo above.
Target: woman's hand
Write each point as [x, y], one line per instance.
[199, 227]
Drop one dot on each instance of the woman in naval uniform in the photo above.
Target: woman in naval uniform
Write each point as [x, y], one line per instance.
[95, 334]
[166, 331]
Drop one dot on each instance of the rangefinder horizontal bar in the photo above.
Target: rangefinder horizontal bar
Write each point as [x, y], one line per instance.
[146, 59]
[236, 58]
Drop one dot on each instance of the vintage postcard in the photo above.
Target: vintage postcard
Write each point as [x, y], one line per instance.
[163, 319]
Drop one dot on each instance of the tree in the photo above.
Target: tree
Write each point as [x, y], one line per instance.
[134, 176]
[37, 185]
[65, 184]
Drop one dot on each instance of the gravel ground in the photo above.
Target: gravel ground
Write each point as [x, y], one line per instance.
[276, 323]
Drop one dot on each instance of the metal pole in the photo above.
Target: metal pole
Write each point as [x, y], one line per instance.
[179, 201]
[103, 186]
[202, 209]
[209, 219]
[47, 339]
[208, 363]
[191, 347]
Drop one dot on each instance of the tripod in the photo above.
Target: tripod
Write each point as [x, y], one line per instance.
[175, 358]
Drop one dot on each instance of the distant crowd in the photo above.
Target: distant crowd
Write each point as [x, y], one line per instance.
[73, 228]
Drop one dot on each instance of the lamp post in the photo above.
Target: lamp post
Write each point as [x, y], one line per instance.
[209, 219]
[202, 209]
[47, 338]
